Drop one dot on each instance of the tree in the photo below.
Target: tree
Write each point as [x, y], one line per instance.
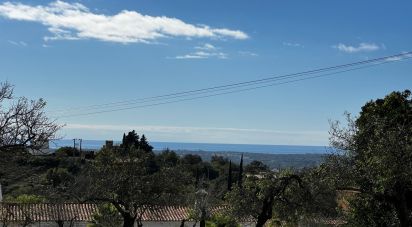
[130, 183]
[240, 180]
[286, 197]
[229, 177]
[262, 198]
[222, 220]
[67, 151]
[23, 122]
[167, 158]
[106, 216]
[131, 139]
[378, 146]
[24, 127]
[144, 144]
[256, 167]
[201, 210]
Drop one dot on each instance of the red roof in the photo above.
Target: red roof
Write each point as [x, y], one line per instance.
[84, 212]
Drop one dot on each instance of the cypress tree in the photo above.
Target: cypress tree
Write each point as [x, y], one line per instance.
[239, 182]
[229, 178]
[124, 140]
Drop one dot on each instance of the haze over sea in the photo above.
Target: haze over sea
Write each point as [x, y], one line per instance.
[211, 147]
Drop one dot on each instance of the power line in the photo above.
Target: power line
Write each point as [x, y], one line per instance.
[391, 59]
[400, 56]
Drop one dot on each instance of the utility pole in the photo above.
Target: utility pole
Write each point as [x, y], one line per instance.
[74, 147]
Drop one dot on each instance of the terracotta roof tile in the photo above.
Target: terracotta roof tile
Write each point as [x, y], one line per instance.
[84, 212]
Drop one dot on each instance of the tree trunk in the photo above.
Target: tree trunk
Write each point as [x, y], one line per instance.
[128, 221]
[202, 223]
[261, 221]
[403, 212]
[60, 223]
[401, 205]
[182, 224]
[266, 213]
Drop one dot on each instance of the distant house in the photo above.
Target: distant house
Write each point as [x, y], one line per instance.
[79, 215]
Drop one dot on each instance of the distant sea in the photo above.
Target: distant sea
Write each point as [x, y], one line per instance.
[211, 147]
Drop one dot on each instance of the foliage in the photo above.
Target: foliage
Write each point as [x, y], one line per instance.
[67, 151]
[240, 176]
[59, 177]
[256, 167]
[106, 216]
[132, 182]
[287, 196]
[24, 198]
[378, 146]
[167, 158]
[132, 140]
[221, 220]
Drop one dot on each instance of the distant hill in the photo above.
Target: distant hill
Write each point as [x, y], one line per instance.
[274, 161]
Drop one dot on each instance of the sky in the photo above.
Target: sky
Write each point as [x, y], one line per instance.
[91, 52]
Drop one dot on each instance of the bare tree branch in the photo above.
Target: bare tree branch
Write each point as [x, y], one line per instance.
[23, 122]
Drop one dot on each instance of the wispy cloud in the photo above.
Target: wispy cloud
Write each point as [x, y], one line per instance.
[204, 134]
[400, 57]
[362, 47]
[248, 53]
[206, 46]
[17, 43]
[204, 51]
[203, 55]
[74, 21]
[289, 44]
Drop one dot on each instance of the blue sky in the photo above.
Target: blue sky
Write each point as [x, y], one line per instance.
[81, 53]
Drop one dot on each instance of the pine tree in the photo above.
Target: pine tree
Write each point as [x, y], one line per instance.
[131, 139]
[239, 182]
[229, 178]
[144, 145]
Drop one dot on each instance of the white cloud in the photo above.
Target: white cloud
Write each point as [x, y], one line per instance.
[362, 47]
[403, 56]
[189, 56]
[18, 43]
[204, 51]
[248, 53]
[201, 134]
[203, 55]
[73, 21]
[292, 44]
[206, 46]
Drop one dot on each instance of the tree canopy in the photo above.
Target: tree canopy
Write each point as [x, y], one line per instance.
[377, 154]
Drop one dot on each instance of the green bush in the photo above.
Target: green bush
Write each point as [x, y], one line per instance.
[106, 216]
[67, 151]
[221, 220]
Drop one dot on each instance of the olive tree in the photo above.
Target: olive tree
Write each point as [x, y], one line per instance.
[130, 180]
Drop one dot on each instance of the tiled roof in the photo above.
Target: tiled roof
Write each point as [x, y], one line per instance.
[47, 211]
[167, 213]
[84, 212]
